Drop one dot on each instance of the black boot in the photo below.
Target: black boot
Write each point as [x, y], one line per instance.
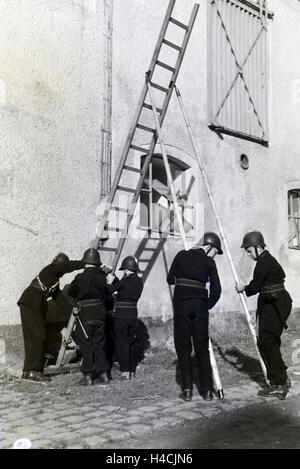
[36, 376]
[125, 376]
[279, 390]
[102, 379]
[88, 380]
[186, 395]
[208, 395]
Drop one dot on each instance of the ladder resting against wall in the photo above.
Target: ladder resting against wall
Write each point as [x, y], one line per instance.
[138, 131]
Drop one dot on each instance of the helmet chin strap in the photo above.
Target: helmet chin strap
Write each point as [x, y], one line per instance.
[256, 253]
[209, 249]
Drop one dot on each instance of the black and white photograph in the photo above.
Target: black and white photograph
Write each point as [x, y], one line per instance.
[150, 227]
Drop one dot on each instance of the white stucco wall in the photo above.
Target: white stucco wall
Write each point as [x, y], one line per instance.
[51, 114]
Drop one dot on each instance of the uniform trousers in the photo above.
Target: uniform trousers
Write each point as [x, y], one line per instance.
[125, 336]
[34, 338]
[270, 327]
[94, 360]
[110, 339]
[191, 324]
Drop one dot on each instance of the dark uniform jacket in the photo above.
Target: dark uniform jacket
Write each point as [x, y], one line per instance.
[129, 290]
[267, 273]
[35, 296]
[89, 289]
[194, 264]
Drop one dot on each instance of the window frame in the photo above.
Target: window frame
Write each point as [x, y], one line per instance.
[292, 218]
[181, 166]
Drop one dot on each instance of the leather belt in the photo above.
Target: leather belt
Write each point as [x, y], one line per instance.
[37, 283]
[187, 282]
[90, 303]
[126, 304]
[273, 288]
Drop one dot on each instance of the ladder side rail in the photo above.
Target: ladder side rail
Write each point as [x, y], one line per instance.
[167, 168]
[65, 340]
[178, 64]
[134, 203]
[120, 170]
[216, 214]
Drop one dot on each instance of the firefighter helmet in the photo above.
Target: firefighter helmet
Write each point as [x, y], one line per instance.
[253, 238]
[61, 257]
[92, 256]
[130, 263]
[212, 239]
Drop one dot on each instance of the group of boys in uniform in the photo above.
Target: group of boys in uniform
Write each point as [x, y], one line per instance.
[91, 292]
[190, 273]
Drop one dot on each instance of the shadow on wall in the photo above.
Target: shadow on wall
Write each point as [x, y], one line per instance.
[147, 253]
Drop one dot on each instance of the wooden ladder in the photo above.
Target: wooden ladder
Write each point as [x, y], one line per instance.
[132, 145]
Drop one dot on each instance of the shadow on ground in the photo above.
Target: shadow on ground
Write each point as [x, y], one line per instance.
[243, 363]
[257, 426]
[236, 359]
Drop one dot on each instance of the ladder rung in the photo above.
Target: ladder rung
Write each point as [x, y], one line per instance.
[147, 129]
[135, 147]
[149, 249]
[119, 209]
[103, 248]
[148, 106]
[168, 67]
[159, 87]
[146, 190]
[171, 44]
[126, 189]
[131, 168]
[178, 23]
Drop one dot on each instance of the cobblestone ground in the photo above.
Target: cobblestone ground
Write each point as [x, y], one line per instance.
[68, 422]
[65, 414]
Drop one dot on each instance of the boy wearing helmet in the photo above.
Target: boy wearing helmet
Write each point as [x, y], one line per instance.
[129, 290]
[89, 289]
[190, 271]
[274, 305]
[33, 308]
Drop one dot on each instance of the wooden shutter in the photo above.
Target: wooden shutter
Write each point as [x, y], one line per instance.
[238, 65]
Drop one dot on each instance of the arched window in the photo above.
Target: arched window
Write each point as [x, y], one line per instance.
[156, 204]
[294, 218]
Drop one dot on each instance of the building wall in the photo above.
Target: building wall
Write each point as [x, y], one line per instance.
[253, 199]
[52, 105]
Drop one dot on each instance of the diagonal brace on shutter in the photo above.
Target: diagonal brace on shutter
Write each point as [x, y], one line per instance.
[240, 67]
